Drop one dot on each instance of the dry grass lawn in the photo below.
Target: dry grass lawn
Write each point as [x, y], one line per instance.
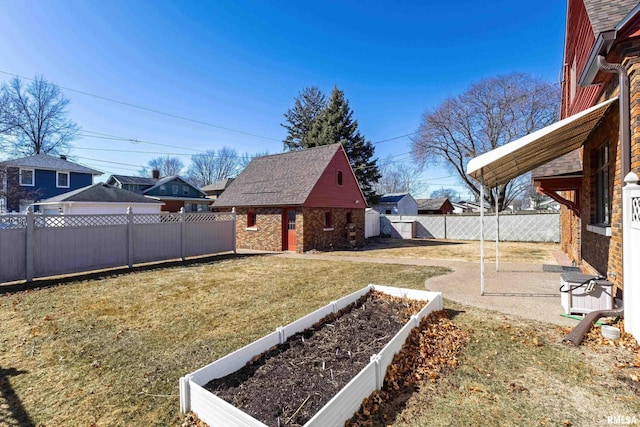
[109, 351]
[460, 250]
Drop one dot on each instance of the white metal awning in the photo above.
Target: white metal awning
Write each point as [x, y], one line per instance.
[518, 157]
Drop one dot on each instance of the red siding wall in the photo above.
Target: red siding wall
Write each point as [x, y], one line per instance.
[327, 192]
[578, 43]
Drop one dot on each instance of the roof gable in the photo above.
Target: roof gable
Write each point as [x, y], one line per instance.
[170, 180]
[393, 198]
[49, 162]
[285, 179]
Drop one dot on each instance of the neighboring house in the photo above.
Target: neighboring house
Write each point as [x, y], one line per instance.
[397, 204]
[297, 201]
[215, 189]
[30, 179]
[584, 158]
[468, 207]
[174, 191]
[97, 199]
[437, 206]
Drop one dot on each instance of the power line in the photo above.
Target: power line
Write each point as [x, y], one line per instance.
[152, 110]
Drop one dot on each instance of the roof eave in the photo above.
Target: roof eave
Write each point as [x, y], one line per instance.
[603, 44]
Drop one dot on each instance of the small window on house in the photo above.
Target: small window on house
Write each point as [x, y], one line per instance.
[327, 220]
[349, 221]
[62, 179]
[185, 190]
[27, 177]
[251, 219]
[175, 189]
[163, 189]
[339, 177]
[387, 211]
[603, 202]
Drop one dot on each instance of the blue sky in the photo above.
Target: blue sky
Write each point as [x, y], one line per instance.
[237, 66]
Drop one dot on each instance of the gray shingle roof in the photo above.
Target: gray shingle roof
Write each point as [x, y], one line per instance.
[605, 15]
[280, 179]
[101, 192]
[139, 180]
[219, 185]
[49, 162]
[569, 164]
[431, 204]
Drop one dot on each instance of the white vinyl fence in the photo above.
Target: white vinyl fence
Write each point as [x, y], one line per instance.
[35, 245]
[543, 227]
[218, 413]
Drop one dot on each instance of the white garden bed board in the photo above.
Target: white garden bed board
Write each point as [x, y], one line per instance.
[218, 413]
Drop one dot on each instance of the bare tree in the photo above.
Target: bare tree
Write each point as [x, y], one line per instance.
[166, 165]
[398, 178]
[34, 118]
[490, 113]
[213, 165]
[449, 193]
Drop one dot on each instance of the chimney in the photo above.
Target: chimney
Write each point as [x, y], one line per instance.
[63, 157]
[155, 174]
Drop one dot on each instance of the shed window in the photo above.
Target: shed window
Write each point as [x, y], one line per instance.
[349, 220]
[327, 220]
[252, 219]
[27, 177]
[339, 178]
[62, 179]
[603, 202]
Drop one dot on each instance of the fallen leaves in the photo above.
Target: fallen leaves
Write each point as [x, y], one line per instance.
[429, 350]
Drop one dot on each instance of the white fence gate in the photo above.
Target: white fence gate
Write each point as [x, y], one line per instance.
[631, 254]
[371, 223]
[35, 245]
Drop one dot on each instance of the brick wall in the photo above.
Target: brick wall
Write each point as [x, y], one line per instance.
[310, 230]
[266, 235]
[315, 236]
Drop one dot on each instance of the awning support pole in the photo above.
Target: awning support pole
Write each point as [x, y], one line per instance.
[497, 228]
[481, 232]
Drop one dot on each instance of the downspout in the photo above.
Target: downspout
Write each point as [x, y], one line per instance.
[581, 329]
[625, 111]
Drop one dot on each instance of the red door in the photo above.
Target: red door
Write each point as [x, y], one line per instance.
[289, 230]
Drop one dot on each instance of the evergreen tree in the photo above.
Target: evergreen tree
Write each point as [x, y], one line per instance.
[335, 124]
[299, 119]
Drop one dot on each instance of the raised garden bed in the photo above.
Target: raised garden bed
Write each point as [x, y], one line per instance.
[315, 371]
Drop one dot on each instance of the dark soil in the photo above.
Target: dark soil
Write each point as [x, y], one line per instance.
[287, 385]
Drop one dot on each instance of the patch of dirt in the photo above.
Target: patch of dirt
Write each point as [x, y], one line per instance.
[287, 385]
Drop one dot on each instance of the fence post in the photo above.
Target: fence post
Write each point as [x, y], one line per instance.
[183, 241]
[233, 230]
[445, 226]
[29, 244]
[129, 237]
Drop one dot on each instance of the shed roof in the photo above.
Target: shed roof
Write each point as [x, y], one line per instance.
[431, 204]
[100, 192]
[284, 179]
[49, 162]
[393, 197]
